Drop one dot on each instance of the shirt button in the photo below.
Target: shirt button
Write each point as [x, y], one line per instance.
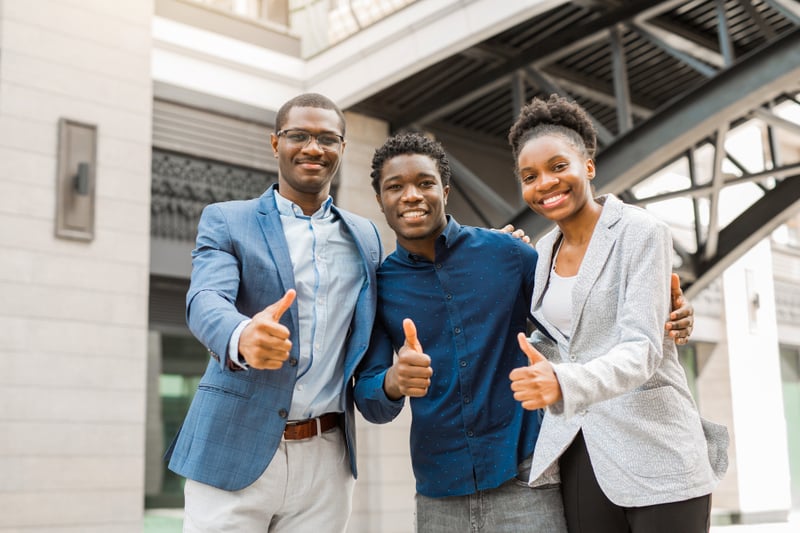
[470, 434]
[293, 361]
[467, 399]
[456, 330]
[572, 358]
[462, 363]
[449, 297]
[283, 413]
[438, 265]
[300, 388]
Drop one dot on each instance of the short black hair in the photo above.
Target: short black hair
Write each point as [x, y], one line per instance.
[556, 115]
[409, 143]
[307, 100]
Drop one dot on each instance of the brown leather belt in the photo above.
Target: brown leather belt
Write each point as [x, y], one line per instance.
[306, 429]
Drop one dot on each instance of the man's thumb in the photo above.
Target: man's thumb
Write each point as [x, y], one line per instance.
[278, 308]
[410, 331]
[533, 354]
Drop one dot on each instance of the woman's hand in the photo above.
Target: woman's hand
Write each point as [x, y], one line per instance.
[535, 386]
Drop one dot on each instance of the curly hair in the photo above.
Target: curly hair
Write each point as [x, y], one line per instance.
[307, 100]
[558, 116]
[409, 143]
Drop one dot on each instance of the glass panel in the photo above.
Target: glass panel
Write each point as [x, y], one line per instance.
[183, 361]
[687, 355]
[790, 375]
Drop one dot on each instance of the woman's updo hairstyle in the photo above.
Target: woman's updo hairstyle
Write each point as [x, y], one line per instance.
[554, 116]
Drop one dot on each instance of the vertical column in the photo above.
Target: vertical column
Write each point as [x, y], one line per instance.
[364, 135]
[758, 428]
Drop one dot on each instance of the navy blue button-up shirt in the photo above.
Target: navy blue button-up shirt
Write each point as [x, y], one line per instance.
[468, 433]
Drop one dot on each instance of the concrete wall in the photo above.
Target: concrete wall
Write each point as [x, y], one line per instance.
[355, 192]
[73, 319]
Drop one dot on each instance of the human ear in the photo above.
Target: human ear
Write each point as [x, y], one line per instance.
[590, 168]
[273, 140]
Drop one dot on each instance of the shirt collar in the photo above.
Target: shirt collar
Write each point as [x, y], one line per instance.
[290, 209]
[447, 238]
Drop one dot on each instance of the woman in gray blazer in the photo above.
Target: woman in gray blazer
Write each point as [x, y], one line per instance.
[620, 424]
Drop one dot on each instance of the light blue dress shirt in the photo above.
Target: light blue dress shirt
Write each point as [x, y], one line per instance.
[328, 275]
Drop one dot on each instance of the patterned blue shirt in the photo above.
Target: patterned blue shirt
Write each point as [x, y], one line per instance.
[468, 433]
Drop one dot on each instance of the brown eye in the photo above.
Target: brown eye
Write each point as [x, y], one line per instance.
[298, 137]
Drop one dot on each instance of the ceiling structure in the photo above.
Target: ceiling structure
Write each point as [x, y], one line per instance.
[660, 80]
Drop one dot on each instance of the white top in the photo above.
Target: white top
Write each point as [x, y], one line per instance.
[557, 298]
[557, 302]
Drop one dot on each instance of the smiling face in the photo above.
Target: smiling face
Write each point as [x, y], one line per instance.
[555, 177]
[413, 200]
[305, 170]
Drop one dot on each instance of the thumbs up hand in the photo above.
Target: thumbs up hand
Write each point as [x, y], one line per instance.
[410, 375]
[535, 386]
[264, 342]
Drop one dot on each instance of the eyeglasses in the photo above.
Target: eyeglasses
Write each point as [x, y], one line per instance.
[327, 141]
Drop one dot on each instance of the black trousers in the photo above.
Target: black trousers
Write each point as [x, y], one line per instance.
[588, 510]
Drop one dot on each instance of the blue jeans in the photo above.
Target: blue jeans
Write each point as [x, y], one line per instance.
[513, 507]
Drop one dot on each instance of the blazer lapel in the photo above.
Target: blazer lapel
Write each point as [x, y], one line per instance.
[600, 246]
[369, 249]
[270, 221]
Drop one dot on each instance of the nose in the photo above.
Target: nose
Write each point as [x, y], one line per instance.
[546, 181]
[313, 145]
[411, 194]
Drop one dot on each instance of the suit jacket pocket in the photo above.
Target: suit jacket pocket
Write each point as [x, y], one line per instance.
[224, 391]
[717, 440]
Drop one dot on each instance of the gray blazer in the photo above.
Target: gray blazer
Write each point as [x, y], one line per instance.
[622, 383]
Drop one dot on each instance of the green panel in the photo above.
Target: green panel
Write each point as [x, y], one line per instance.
[183, 360]
[791, 405]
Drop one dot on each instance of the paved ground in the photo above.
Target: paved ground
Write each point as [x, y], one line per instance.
[169, 521]
[792, 526]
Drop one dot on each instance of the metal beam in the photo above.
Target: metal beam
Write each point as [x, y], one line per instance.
[788, 8]
[697, 191]
[724, 33]
[531, 54]
[517, 94]
[774, 120]
[622, 89]
[765, 28]
[543, 81]
[458, 103]
[683, 52]
[472, 182]
[577, 84]
[709, 248]
[759, 78]
[754, 224]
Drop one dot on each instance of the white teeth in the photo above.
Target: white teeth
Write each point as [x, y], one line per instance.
[552, 199]
[413, 214]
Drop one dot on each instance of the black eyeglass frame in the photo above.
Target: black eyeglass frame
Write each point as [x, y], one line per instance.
[315, 136]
